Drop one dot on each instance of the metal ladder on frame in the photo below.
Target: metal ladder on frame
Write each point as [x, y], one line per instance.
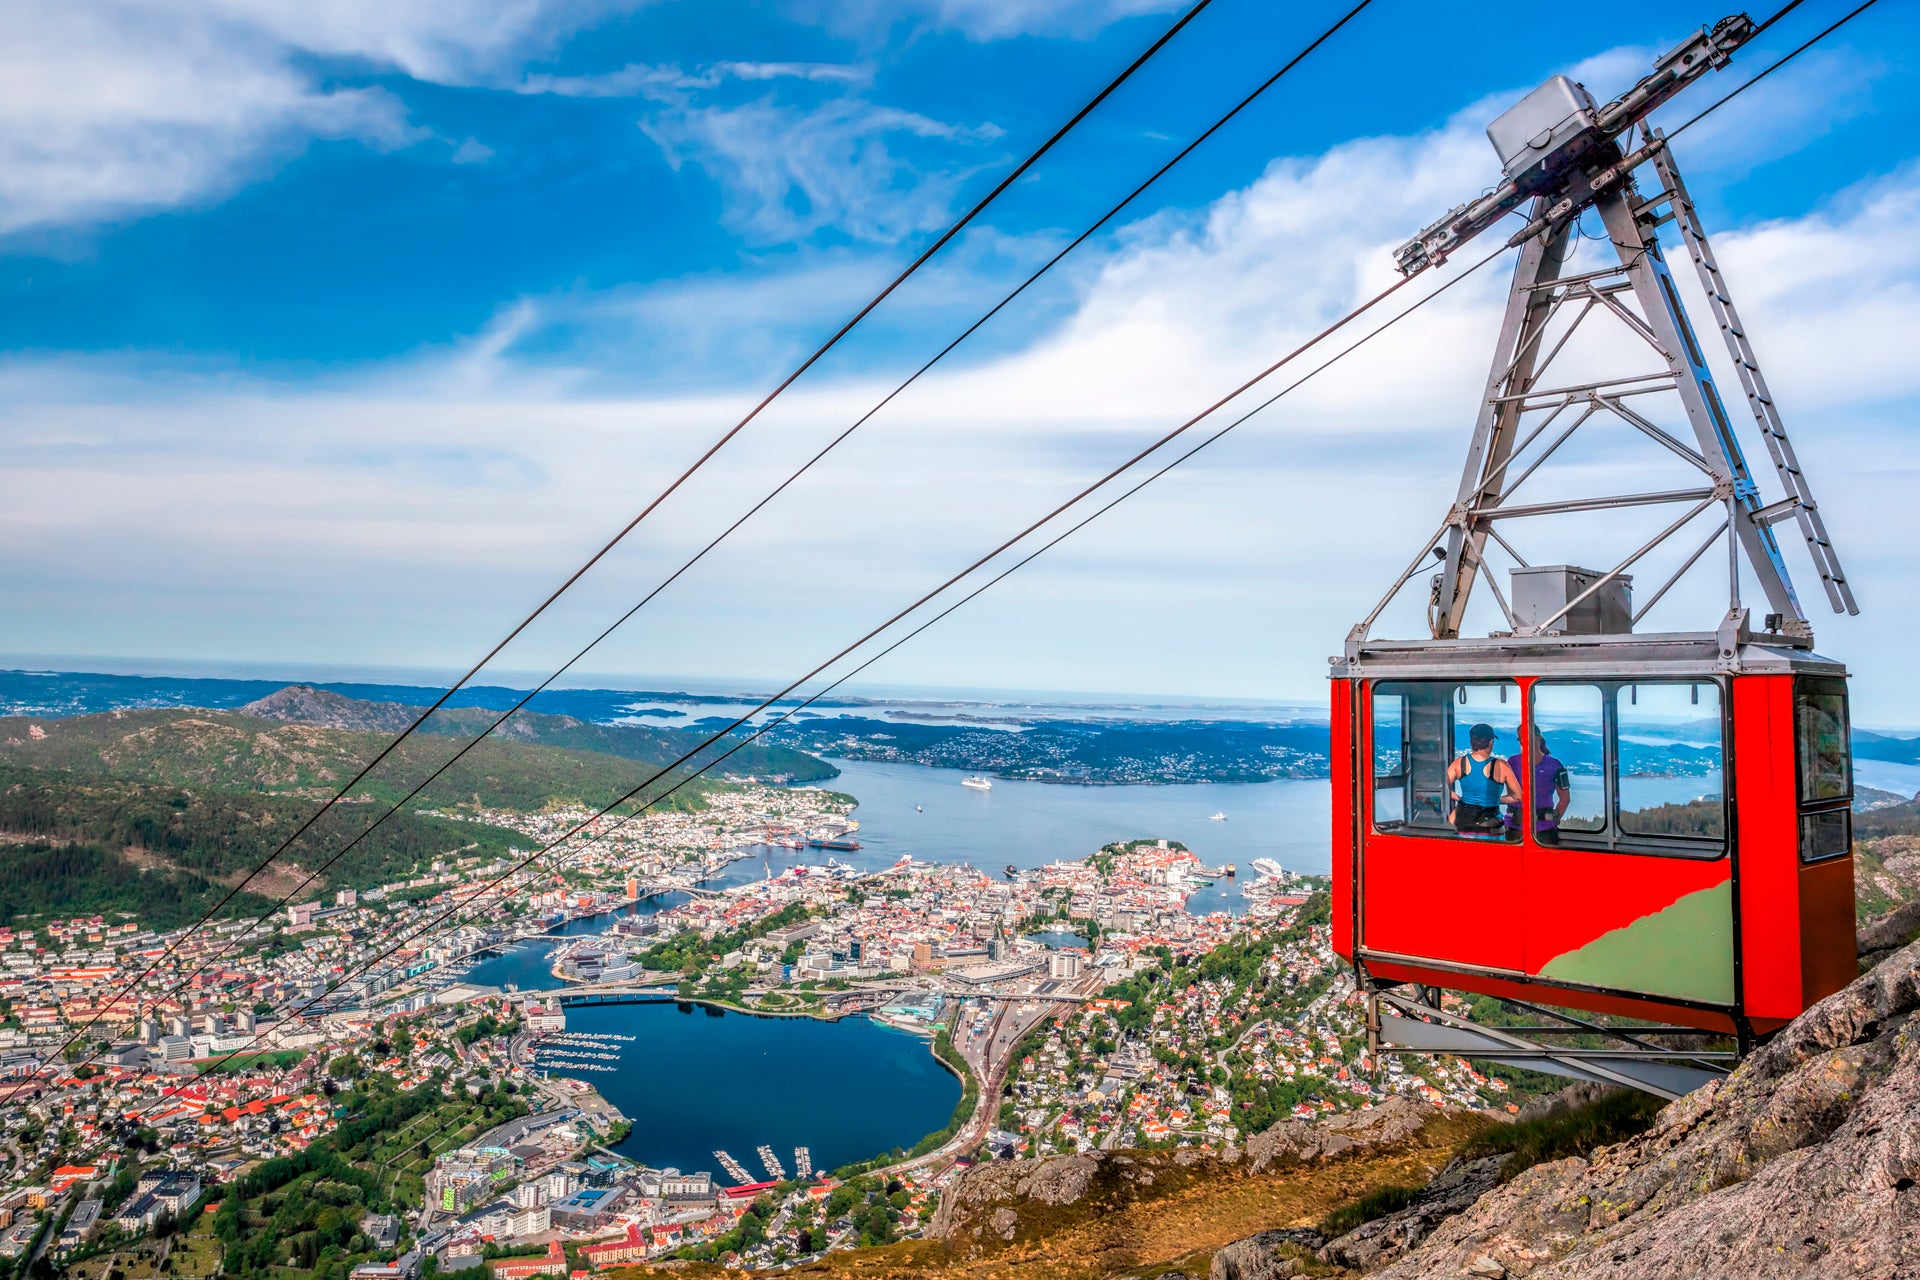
[1799, 500]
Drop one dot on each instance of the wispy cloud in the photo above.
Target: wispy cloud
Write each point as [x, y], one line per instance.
[977, 19]
[812, 152]
[117, 108]
[787, 171]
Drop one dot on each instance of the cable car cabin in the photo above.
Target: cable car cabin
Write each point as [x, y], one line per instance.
[1569, 812]
[1611, 823]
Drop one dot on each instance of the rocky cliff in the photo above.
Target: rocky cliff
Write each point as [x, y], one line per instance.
[1803, 1163]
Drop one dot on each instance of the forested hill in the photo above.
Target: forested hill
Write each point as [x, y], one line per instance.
[233, 751]
[306, 704]
[1093, 751]
[161, 809]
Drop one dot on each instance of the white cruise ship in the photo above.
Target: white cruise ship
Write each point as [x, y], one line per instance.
[977, 782]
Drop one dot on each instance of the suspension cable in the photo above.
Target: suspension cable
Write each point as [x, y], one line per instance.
[320, 869]
[832, 341]
[586, 823]
[1772, 67]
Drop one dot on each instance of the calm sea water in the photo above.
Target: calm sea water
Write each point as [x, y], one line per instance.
[697, 1079]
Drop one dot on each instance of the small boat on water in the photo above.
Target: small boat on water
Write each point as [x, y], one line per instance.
[977, 782]
[1216, 817]
[918, 809]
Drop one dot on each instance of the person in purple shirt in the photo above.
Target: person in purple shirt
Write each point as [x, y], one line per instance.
[1550, 778]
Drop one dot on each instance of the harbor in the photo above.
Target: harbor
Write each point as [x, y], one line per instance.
[697, 1081]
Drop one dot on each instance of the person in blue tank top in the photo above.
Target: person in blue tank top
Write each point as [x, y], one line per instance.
[1481, 782]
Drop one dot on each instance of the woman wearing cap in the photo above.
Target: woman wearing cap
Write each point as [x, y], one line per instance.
[1480, 782]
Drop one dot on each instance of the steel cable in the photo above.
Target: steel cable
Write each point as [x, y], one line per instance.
[944, 238]
[802, 470]
[1771, 67]
[1137, 457]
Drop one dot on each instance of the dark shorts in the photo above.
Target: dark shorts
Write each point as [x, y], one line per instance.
[1478, 819]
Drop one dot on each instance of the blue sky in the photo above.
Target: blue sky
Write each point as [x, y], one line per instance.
[336, 333]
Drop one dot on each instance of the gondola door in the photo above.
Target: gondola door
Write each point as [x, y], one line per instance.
[1628, 850]
[1439, 882]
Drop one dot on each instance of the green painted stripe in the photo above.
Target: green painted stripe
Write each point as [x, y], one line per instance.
[1683, 950]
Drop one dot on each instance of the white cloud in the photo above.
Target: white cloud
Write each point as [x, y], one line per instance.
[787, 171]
[118, 108]
[980, 20]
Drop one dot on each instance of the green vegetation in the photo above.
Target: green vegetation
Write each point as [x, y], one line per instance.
[189, 837]
[687, 952]
[266, 1059]
[869, 1205]
[39, 877]
[752, 1230]
[297, 1216]
[485, 1026]
[227, 751]
[1567, 1131]
[969, 1095]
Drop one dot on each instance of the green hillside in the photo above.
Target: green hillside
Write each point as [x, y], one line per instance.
[160, 811]
[228, 751]
[221, 835]
[304, 704]
[40, 878]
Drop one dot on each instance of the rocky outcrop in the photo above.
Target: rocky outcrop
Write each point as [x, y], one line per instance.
[1271, 1255]
[1802, 1163]
[1348, 1133]
[304, 704]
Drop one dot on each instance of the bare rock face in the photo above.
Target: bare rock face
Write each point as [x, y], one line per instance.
[1300, 1141]
[1804, 1162]
[304, 704]
[983, 1200]
[1881, 937]
[1271, 1255]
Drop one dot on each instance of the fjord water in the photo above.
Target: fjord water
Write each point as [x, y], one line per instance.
[1029, 824]
[697, 1078]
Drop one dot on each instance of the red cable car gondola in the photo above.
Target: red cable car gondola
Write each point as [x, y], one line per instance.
[1569, 813]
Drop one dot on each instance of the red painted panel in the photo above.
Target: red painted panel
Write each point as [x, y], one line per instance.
[1829, 957]
[1342, 756]
[1440, 899]
[1765, 793]
[1559, 997]
[1576, 895]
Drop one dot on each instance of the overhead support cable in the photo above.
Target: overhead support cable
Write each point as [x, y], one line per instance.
[586, 826]
[832, 341]
[322, 867]
[1771, 67]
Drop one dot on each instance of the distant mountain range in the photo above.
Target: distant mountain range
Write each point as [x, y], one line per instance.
[1089, 745]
